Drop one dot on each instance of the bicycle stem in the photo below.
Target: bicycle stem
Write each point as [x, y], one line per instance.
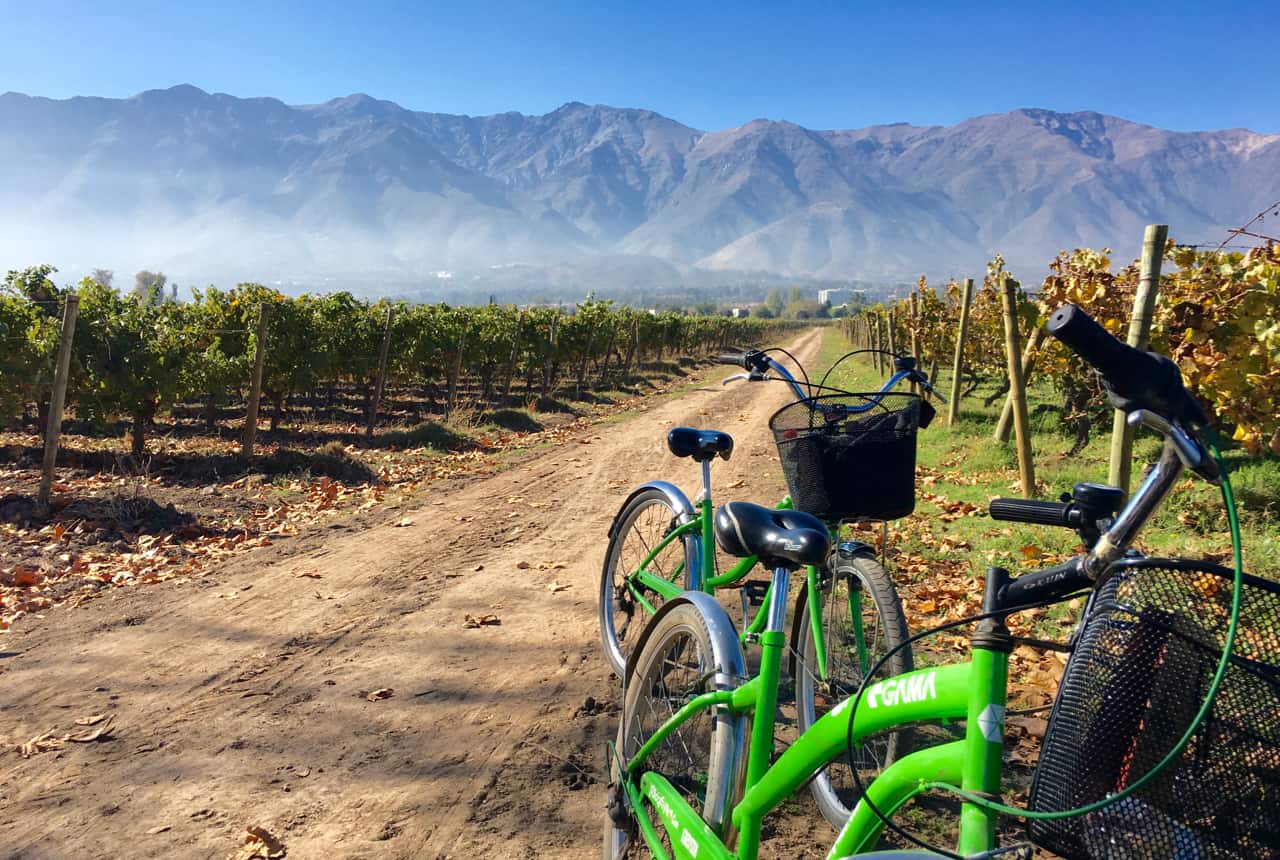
[1115, 541]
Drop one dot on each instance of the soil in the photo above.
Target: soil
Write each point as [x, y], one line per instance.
[327, 689]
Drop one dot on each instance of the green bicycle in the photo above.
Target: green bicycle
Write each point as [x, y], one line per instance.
[848, 614]
[1174, 673]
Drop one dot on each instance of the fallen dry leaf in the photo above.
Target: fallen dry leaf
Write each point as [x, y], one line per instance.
[259, 844]
[404, 523]
[380, 693]
[488, 619]
[160, 829]
[92, 720]
[555, 587]
[522, 565]
[39, 744]
[478, 567]
[102, 732]
[309, 574]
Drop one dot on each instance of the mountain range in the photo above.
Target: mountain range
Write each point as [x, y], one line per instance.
[213, 187]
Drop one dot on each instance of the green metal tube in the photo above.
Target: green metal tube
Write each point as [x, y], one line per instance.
[690, 836]
[697, 703]
[815, 620]
[733, 574]
[647, 830]
[984, 748]
[899, 782]
[708, 545]
[940, 693]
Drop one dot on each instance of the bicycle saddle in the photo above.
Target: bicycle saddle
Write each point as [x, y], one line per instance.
[780, 538]
[701, 445]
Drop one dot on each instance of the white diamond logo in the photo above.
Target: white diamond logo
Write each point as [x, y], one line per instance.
[991, 721]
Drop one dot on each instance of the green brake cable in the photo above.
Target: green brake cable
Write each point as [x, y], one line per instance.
[1237, 553]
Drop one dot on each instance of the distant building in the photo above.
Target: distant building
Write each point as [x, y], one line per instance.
[835, 296]
[739, 313]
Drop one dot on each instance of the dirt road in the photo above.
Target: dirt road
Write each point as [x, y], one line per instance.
[243, 699]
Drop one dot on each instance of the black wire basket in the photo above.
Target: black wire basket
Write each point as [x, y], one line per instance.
[851, 456]
[1148, 651]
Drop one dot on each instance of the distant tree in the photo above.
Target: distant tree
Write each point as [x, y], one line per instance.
[773, 302]
[102, 276]
[795, 295]
[824, 311]
[765, 313]
[705, 308]
[148, 286]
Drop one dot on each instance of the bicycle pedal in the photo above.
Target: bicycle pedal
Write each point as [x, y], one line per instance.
[754, 591]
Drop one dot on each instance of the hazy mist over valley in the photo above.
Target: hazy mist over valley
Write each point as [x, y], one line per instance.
[361, 194]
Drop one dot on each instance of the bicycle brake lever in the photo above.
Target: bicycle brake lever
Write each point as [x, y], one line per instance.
[734, 378]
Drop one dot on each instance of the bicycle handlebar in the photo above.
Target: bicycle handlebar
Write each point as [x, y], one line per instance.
[1133, 379]
[1031, 511]
[735, 359]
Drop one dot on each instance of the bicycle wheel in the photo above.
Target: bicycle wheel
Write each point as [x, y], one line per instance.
[702, 757]
[856, 580]
[640, 526]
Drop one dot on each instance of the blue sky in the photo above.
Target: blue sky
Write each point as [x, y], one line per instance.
[1175, 64]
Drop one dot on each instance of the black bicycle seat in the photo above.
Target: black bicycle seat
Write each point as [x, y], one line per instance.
[701, 445]
[779, 537]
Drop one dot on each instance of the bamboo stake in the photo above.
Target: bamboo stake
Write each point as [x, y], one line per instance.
[1144, 304]
[1017, 389]
[915, 343]
[255, 388]
[53, 430]
[1028, 364]
[957, 367]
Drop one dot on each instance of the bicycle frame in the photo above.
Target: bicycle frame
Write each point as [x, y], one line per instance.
[974, 691]
[704, 577]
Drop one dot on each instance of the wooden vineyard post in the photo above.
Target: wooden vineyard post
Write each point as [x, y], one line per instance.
[551, 351]
[53, 431]
[957, 367]
[255, 387]
[875, 341]
[915, 342]
[455, 371]
[1017, 388]
[382, 373]
[889, 327]
[515, 355]
[1028, 365]
[633, 345]
[1144, 304]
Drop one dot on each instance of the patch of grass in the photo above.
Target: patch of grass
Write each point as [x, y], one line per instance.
[515, 420]
[546, 403]
[331, 460]
[428, 434]
[667, 368]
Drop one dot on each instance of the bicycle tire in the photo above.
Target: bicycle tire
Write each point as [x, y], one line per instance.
[703, 757]
[884, 626]
[643, 521]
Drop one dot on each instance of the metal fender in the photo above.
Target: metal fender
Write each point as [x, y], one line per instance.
[730, 673]
[687, 513]
[674, 494]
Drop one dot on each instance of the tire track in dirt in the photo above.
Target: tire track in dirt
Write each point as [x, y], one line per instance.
[240, 699]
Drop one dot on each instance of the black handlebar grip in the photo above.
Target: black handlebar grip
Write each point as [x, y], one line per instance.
[736, 359]
[1030, 511]
[1136, 379]
[1120, 364]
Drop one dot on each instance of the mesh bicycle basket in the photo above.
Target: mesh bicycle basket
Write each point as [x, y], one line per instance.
[1140, 670]
[850, 456]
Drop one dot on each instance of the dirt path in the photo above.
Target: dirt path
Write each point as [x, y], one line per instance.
[241, 700]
